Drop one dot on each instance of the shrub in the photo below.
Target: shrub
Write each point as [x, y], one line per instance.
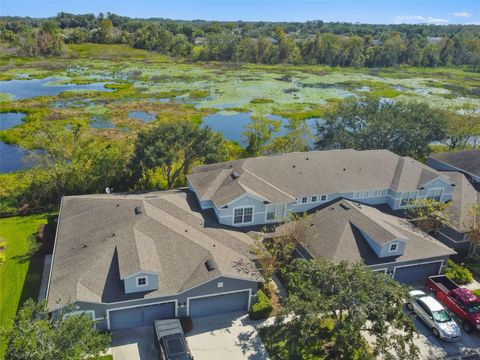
[262, 308]
[458, 273]
[476, 293]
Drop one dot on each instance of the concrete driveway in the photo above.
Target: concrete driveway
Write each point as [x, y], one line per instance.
[134, 344]
[434, 348]
[228, 336]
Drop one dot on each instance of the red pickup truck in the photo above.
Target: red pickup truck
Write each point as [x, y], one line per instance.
[458, 300]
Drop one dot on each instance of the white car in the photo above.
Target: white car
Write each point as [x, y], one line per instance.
[434, 315]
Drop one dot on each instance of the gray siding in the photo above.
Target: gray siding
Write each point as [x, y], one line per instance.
[383, 250]
[453, 239]
[208, 288]
[393, 199]
[131, 283]
[390, 267]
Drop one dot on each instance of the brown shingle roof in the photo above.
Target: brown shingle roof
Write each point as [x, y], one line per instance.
[101, 240]
[333, 234]
[282, 178]
[465, 160]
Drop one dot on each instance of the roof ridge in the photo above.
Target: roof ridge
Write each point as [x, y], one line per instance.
[267, 183]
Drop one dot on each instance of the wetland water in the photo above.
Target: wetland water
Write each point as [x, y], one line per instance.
[23, 89]
[10, 119]
[12, 158]
[232, 124]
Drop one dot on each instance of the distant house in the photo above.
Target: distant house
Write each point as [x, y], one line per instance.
[348, 231]
[463, 169]
[265, 189]
[127, 260]
[466, 161]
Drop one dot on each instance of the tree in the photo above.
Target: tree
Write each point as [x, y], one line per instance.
[360, 305]
[462, 129]
[428, 214]
[473, 232]
[258, 132]
[37, 335]
[406, 128]
[297, 138]
[172, 147]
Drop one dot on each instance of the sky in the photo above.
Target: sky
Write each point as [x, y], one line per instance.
[364, 11]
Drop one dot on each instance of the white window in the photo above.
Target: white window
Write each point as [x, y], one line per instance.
[323, 197]
[393, 247]
[435, 194]
[314, 198]
[243, 215]
[220, 284]
[142, 281]
[407, 198]
[304, 200]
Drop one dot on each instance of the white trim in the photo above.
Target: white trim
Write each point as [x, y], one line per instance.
[79, 312]
[242, 196]
[139, 306]
[455, 241]
[418, 264]
[219, 294]
[137, 285]
[390, 247]
[381, 269]
[243, 215]
[140, 273]
[438, 178]
[434, 190]
[54, 249]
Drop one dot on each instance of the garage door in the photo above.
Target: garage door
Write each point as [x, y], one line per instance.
[140, 316]
[219, 304]
[416, 273]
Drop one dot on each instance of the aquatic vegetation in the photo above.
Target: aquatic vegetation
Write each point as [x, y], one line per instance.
[112, 81]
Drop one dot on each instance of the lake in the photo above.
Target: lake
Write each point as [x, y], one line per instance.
[231, 124]
[22, 89]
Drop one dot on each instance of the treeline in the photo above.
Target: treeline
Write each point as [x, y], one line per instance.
[334, 44]
[76, 161]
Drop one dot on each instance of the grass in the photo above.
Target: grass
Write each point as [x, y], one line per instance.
[20, 276]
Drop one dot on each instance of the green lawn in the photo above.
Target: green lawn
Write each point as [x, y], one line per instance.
[20, 276]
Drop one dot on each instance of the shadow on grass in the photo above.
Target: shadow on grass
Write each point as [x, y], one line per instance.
[31, 285]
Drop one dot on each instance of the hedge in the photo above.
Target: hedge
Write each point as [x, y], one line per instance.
[262, 308]
[458, 273]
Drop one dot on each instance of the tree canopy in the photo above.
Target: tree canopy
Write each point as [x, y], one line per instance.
[312, 42]
[172, 147]
[407, 129]
[37, 335]
[334, 310]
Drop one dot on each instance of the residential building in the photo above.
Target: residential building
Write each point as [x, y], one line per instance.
[463, 169]
[129, 259]
[344, 230]
[266, 189]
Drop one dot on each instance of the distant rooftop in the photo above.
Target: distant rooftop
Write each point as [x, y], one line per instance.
[465, 160]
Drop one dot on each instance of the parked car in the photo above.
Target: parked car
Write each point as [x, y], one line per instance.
[460, 301]
[434, 315]
[170, 340]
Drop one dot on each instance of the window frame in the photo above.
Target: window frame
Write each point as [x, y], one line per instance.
[390, 247]
[243, 215]
[137, 281]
